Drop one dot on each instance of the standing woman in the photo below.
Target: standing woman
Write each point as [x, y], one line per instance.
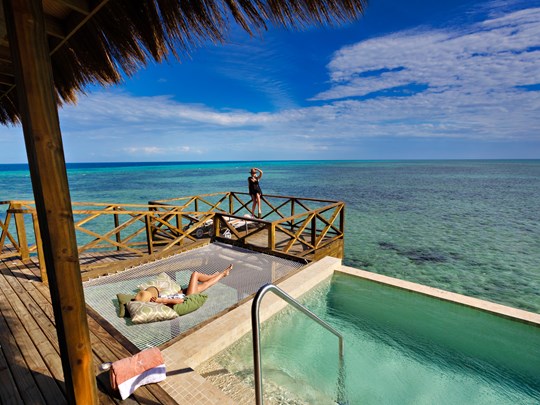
[255, 190]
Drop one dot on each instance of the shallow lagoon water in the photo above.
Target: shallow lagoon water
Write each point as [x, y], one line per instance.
[471, 227]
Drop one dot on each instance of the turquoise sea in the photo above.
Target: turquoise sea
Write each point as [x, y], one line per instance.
[471, 227]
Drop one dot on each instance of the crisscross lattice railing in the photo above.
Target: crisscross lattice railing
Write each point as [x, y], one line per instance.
[292, 227]
[289, 225]
[19, 216]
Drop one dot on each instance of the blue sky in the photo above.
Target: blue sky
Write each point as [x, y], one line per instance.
[410, 80]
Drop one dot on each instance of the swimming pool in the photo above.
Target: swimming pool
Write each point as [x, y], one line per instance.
[400, 348]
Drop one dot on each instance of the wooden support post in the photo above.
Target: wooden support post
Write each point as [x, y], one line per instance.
[148, 219]
[116, 225]
[292, 214]
[40, 252]
[271, 236]
[5, 229]
[342, 219]
[217, 225]
[314, 231]
[179, 226]
[39, 116]
[231, 203]
[342, 229]
[21, 233]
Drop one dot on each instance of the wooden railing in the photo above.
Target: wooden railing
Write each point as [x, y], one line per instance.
[300, 228]
[13, 229]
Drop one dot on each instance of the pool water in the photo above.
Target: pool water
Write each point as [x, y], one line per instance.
[400, 348]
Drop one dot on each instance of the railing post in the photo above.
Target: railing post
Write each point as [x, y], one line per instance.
[314, 231]
[342, 219]
[39, 246]
[217, 225]
[117, 234]
[4, 227]
[21, 232]
[148, 219]
[272, 236]
[292, 212]
[231, 203]
[179, 226]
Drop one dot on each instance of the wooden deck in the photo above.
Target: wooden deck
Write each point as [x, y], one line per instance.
[30, 364]
[118, 236]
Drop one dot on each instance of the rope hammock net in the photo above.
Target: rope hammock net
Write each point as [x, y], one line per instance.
[251, 271]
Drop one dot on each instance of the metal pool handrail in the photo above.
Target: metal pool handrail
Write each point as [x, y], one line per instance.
[255, 326]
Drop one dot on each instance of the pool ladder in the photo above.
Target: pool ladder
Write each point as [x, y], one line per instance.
[255, 326]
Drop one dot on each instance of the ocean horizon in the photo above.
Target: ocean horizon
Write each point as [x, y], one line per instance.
[15, 166]
[467, 226]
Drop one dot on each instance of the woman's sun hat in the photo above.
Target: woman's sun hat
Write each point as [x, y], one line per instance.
[147, 294]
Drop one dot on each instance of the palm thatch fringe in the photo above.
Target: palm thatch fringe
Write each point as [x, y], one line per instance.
[124, 35]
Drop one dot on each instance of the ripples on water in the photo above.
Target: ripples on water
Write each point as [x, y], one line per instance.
[471, 227]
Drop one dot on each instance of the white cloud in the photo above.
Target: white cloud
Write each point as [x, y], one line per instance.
[106, 107]
[155, 150]
[259, 64]
[471, 78]
[146, 150]
[493, 55]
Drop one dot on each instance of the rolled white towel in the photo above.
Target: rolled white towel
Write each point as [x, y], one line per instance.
[128, 374]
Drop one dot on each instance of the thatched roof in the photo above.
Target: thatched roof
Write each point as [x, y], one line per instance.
[95, 41]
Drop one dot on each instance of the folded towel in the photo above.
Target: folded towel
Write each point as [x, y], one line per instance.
[143, 368]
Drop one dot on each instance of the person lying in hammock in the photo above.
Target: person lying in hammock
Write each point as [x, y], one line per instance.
[198, 283]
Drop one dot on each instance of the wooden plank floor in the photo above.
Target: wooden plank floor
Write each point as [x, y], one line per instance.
[30, 364]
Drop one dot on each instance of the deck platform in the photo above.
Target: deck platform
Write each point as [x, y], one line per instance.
[114, 237]
[30, 363]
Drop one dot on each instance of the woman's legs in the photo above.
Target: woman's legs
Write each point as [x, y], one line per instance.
[259, 203]
[200, 282]
[255, 199]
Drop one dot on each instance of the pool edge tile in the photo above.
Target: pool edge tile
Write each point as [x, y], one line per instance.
[486, 306]
[236, 323]
[185, 355]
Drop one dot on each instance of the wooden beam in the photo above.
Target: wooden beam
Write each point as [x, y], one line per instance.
[5, 232]
[272, 236]
[6, 68]
[76, 23]
[5, 54]
[7, 80]
[21, 234]
[35, 90]
[39, 248]
[149, 243]
[54, 27]
[80, 6]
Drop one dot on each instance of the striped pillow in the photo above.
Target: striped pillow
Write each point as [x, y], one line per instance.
[146, 312]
